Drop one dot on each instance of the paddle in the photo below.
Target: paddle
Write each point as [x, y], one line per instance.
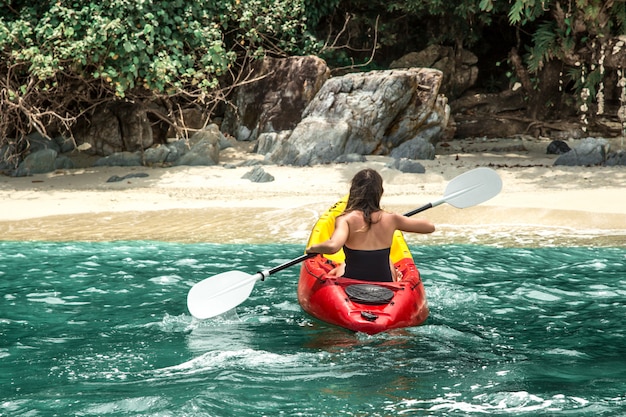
[468, 189]
[218, 294]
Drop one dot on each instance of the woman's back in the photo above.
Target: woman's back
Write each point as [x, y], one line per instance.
[379, 234]
[362, 236]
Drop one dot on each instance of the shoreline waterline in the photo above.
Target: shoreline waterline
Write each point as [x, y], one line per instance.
[491, 226]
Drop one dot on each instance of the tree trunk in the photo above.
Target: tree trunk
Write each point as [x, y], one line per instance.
[545, 101]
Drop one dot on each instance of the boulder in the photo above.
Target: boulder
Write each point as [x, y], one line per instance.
[156, 155]
[590, 151]
[205, 148]
[258, 174]
[275, 101]
[63, 162]
[117, 127]
[350, 158]
[37, 142]
[459, 67]
[363, 113]
[407, 166]
[65, 144]
[202, 154]
[616, 158]
[213, 134]
[558, 147]
[176, 150]
[38, 162]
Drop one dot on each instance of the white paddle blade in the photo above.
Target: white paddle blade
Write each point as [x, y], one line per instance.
[218, 294]
[473, 187]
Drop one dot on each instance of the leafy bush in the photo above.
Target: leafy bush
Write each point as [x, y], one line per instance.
[58, 59]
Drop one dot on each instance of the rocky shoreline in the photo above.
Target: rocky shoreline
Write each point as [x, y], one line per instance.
[296, 115]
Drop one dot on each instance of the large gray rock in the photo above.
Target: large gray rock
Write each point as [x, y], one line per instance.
[205, 148]
[65, 144]
[590, 151]
[63, 162]
[176, 150]
[37, 142]
[156, 155]
[117, 127]
[407, 166]
[39, 162]
[202, 154]
[363, 113]
[211, 133]
[275, 101]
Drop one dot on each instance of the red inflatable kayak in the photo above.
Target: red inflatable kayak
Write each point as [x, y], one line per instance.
[360, 306]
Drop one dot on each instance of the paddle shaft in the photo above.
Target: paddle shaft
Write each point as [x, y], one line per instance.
[286, 265]
[419, 210]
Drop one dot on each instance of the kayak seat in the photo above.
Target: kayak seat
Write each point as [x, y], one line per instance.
[369, 294]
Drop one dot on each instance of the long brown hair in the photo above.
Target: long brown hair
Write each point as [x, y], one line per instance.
[366, 191]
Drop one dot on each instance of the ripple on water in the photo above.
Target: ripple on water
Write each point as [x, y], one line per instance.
[512, 331]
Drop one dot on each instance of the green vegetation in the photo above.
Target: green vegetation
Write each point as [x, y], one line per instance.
[542, 30]
[60, 59]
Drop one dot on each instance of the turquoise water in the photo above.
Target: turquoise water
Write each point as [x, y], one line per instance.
[101, 329]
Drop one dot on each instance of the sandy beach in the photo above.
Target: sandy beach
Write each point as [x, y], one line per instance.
[540, 204]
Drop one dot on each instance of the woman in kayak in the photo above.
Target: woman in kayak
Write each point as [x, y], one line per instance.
[365, 231]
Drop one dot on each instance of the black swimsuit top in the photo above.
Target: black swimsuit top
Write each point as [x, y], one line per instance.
[368, 265]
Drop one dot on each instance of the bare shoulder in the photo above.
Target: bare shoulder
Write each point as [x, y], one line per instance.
[353, 213]
[351, 216]
[391, 216]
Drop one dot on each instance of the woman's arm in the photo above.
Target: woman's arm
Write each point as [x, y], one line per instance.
[336, 241]
[407, 224]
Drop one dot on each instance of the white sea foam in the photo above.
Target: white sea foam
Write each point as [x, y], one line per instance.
[166, 279]
[510, 403]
